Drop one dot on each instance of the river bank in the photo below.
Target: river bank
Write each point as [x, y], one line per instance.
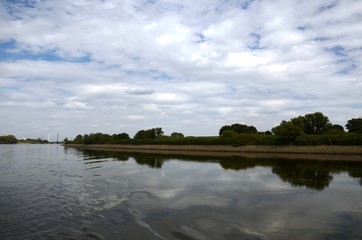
[328, 153]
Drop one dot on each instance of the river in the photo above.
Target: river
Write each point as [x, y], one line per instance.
[53, 192]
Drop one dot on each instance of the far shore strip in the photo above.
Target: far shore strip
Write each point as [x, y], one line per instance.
[323, 152]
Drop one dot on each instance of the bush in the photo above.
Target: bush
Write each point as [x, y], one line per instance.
[238, 128]
[9, 139]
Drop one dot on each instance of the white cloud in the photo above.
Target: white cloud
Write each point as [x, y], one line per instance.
[151, 107]
[168, 98]
[134, 117]
[274, 103]
[76, 105]
[245, 59]
[196, 65]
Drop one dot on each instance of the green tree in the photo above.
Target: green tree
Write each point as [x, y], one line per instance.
[96, 138]
[142, 134]
[78, 139]
[334, 129]
[354, 125]
[8, 139]
[298, 121]
[288, 130]
[177, 135]
[316, 123]
[228, 133]
[85, 139]
[238, 128]
[120, 136]
[149, 134]
[157, 131]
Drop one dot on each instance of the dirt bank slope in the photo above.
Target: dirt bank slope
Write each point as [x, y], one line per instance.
[337, 153]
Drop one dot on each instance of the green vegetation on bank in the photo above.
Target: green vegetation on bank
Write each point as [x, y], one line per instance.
[8, 139]
[33, 141]
[11, 139]
[345, 139]
[310, 129]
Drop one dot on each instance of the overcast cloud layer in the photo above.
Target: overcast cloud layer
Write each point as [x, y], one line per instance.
[77, 67]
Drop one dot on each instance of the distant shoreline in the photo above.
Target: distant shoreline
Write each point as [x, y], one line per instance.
[323, 152]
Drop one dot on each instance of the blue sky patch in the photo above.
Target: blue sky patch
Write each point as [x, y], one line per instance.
[338, 50]
[161, 76]
[328, 7]
[256, 43]
[200, 38]
[303, 27]
[348, 69]
[245, 4]
[321, 39]
[135, 58]
[8, 52]
[26, 3]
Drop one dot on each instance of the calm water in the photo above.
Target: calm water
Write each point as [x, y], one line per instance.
[52, 192]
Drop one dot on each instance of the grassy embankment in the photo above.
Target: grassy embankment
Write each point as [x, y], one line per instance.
[346, 139]
[346, 147]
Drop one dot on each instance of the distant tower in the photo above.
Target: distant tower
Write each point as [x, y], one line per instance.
[48, 137]
[57, 138]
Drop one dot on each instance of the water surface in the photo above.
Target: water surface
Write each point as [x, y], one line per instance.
[52, 192]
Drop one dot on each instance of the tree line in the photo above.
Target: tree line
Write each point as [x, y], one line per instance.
[310, 124]
[11, 139]
[123, 138]
[310, 129]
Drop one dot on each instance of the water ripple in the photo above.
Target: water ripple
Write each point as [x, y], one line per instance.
[48, 192]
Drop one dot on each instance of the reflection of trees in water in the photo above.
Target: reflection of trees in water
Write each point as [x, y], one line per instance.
[356, 173]
[89, 154]
[299, 173]
[152, 162]
[238, 164]
[299, 177]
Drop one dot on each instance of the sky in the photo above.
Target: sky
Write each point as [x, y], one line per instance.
[85, 66]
